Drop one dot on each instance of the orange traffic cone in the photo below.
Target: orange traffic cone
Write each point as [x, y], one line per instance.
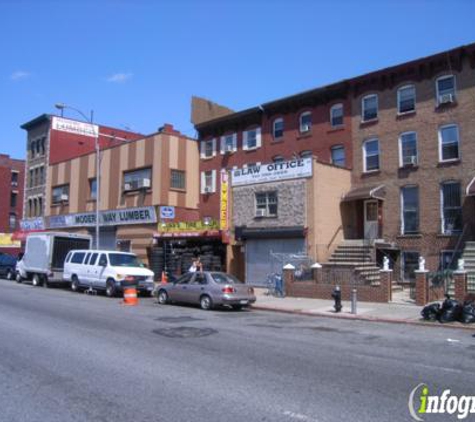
[130, 296]
[164, 277]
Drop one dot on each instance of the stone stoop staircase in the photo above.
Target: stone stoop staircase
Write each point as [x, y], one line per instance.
[356, 255]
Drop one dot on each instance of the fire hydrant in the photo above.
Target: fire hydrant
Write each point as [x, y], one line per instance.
[336, 295]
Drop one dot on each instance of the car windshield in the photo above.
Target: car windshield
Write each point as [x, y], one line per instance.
[124, 260]
[223, 278]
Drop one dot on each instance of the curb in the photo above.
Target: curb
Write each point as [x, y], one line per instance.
[364, 318]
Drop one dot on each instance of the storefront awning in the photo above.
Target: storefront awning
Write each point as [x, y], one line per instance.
[187, 234]
[269, 233]
[471, 188]
[366, 192]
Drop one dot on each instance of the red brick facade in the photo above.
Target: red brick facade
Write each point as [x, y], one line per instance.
[12, 174]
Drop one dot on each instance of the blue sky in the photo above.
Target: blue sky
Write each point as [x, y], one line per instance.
[137, 63]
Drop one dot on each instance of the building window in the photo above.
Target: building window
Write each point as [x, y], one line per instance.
[369, 107]
[12, 221]
[445, 87]
[59, 194]
[277, 158]
[13, 199]
[177, 179]
[208, 148]
[42, 175]
[14, 179]
[449, 143]
[266, 204]
[228, 143]
[406, 99]
[278, 128]
[371, 155]
[208, 181]
[252, 139]
[93, 188]
[42, 145]
[451, 207]
[410, 210]
[410, 263]
[306, 154]
[138, 179]
[408, 149]
[305, 122]
[338, 155]
[449, 259]
[31, 180]
[336, 115]
[30, 208]
[40, 205]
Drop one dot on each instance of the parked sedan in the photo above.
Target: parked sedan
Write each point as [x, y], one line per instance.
[207, 289]
[7, 266]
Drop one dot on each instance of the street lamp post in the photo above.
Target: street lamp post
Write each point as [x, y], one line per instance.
[62, 106]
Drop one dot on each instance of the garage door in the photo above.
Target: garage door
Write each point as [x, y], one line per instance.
[258, 256]
[108, 238]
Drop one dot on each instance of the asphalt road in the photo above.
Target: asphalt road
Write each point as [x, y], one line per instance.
[72, 357]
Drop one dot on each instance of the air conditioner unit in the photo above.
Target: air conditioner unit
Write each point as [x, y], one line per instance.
[410, 160]
[144, 183]
[207, 189]
[446, 99]
[64, 197]
[261, 212]
[304, 128]
[127, 186]
[228, 149]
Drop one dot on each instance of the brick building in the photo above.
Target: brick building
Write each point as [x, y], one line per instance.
[12, 173]
[414, 157]
[52, 139]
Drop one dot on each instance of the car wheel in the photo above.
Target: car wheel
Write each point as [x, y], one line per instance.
[206, 303]
[74, 284]
[110, 289]
[18, 278]
[36, 281]
[162, 297]
[9, 274]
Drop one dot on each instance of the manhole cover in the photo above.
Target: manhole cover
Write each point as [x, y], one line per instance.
[184, 332]
[178, 319]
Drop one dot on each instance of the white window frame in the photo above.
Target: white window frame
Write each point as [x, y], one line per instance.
[437, 87]
[332, 110]
[223, 143]
[448, 160]
[203, 145]
[267, 203]
[442, 216]
[308, 127]
[278, 159]
[402, 210]
[365, 170]
[308, 153]
[212, 185]
[274, 123]
[245, 137]
[335, 148]
[401, 157]
[399, 99]
[366, 97]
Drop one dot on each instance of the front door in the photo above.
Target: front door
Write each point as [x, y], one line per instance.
[371, 219]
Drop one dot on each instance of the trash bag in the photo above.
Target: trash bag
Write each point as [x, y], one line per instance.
[431, 312]
[468, 313]
[451, 311]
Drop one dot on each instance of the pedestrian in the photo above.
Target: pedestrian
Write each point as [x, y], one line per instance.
[196, 265]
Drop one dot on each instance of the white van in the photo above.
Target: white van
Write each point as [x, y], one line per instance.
[106, 270]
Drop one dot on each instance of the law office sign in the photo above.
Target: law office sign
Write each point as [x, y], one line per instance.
[263, 173]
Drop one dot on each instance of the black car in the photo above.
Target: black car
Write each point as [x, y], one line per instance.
[7, 266]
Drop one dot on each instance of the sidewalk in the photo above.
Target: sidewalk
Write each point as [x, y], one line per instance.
[366, 311]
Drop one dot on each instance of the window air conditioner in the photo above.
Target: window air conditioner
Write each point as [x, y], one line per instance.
[207, 189]
[446, 99]
[127, 186]
[228, 149]
[304, 128]
[144, 183]
[260, 212]
[410, 160]
[64, 197]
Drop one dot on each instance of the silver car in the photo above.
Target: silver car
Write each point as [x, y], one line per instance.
[207, 289]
